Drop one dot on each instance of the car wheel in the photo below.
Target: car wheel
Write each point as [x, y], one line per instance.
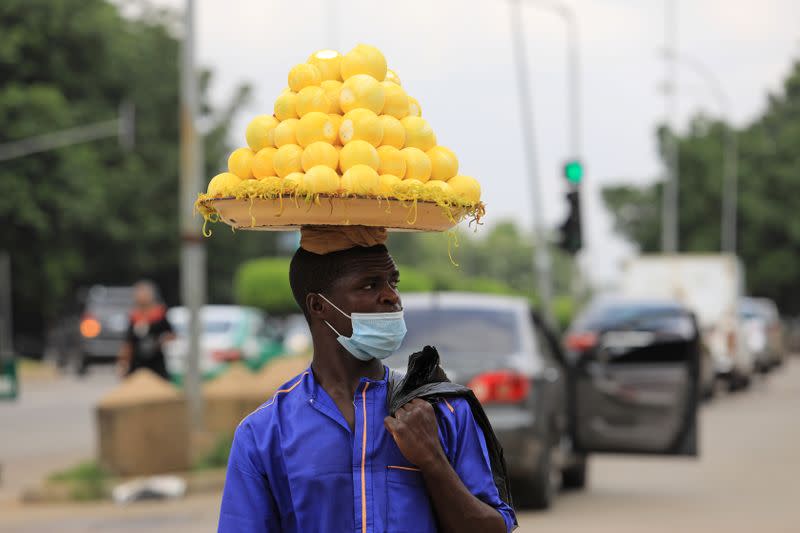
[538, 491]
[574, 476]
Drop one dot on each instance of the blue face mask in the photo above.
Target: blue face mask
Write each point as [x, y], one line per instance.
[375, 335]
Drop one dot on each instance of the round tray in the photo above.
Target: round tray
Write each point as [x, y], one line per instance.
[289, 214]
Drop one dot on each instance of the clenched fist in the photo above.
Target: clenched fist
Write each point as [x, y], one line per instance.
[416, 433]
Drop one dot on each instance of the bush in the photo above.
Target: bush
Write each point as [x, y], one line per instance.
[412, 280]
[264, 283]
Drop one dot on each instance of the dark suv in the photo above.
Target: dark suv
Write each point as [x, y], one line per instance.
[103, 325]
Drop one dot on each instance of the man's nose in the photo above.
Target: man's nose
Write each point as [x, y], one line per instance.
[390, 298]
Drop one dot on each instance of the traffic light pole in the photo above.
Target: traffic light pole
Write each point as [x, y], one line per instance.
[541, 257]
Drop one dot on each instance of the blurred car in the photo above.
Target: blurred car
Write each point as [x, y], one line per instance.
[538, 403]
[710, 285]
[663, 317]
[296, 335]
[103, 325]
[764, 331]
[229, 333]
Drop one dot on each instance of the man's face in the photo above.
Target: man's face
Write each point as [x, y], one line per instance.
[369, 286]
[143, 298]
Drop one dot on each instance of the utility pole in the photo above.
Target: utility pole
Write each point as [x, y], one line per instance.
[193, 252]
[541, 259]
[730, 151]
[669, 206]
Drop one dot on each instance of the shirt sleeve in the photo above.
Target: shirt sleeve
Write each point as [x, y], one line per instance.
[466, 449]
[247, 502]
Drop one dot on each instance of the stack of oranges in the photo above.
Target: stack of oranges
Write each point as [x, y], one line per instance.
[345, 126]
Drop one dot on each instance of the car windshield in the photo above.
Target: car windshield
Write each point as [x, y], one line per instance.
[466, 338]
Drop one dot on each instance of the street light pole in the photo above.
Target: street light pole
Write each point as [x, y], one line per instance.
[730, 150]
[669, 205]
[541, 257]
[193, 253]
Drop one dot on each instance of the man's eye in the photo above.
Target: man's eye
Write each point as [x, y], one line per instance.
[394, 283]
[368, 287]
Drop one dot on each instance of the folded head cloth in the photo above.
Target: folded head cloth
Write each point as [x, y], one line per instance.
[326, 239]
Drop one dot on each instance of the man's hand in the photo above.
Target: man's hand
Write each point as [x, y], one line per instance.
[416, 433]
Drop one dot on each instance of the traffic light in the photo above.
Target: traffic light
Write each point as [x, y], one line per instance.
[573, 171]
[571, 239]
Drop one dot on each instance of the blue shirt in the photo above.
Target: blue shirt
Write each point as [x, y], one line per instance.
[295, 466]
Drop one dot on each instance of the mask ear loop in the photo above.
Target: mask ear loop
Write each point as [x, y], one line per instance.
[334, 306]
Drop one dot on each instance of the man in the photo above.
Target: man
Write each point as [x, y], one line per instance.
[323, 456]
[147, 332]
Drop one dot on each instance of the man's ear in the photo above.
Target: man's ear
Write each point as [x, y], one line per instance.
[315, 305]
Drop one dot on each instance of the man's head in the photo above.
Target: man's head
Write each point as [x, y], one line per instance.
[356, 280]
[145, 295]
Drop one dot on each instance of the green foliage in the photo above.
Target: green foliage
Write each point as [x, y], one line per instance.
[217, 456]
[93, 213]
[87, 480]
[769, 186]
[264, 283]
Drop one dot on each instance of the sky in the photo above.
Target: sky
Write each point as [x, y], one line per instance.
[455, 57]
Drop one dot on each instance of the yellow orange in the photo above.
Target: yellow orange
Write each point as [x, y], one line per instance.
[312, 98]
[286, 106]
[240, 163]
[302, 75]
[287, 159]
[392, 161]
[395, 100]
[361, 124]
[418, 164]
[387, 184]
[337, 124]
[394, 134]
[222, 184]
[328, 62]
[419, 133]
[286, 132]
[362, 90]
[409, 187]
[392, 76]
[466, 189]
[315, 126]
[359, 153]
[361, 180]
[262, 163]
[292, 182]
[259, 133]
[363, 59]
[321, 179]
[414, 109]
[333, 90]
[320, 153]
[444, 163]
[437, 190]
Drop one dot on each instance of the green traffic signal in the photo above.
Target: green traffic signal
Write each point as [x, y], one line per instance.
[573, 171]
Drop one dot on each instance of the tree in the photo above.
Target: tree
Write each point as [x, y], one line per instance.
[92, 213]
[769, 184]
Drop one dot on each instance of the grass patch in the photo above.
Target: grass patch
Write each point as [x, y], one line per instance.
[217, 456]
[87, 480]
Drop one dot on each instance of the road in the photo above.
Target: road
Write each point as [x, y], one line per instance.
[747, 479]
